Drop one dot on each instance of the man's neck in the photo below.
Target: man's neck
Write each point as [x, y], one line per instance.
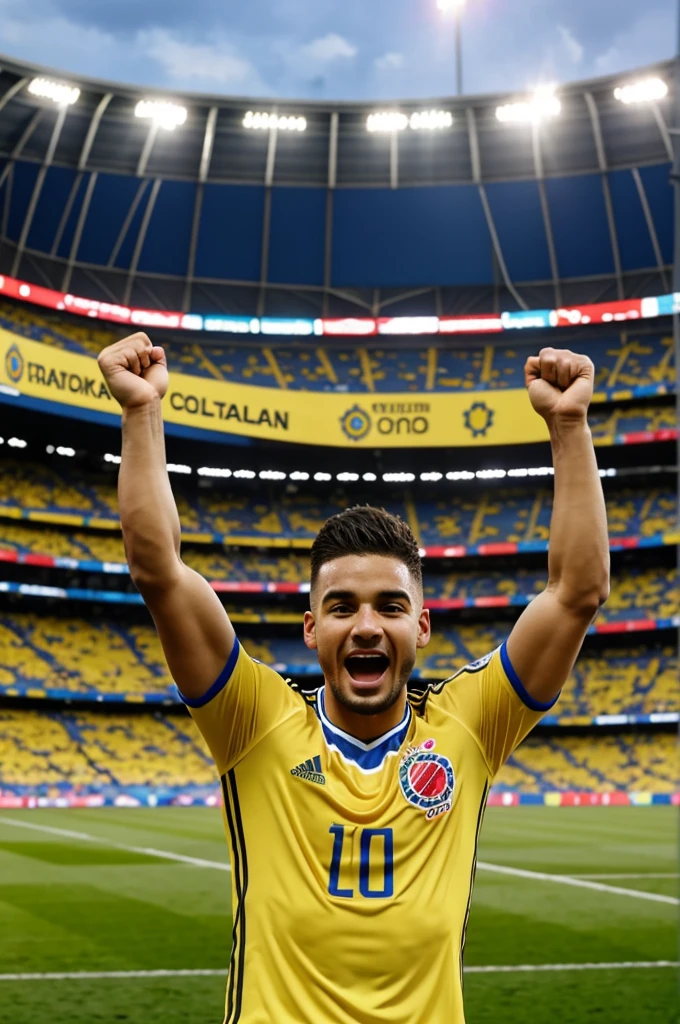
[365, 728]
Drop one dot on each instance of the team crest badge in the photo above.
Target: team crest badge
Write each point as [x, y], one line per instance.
[427, 780]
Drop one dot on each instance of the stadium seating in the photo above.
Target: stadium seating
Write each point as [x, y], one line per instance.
[86, 338]
[639, 680]
[635, 592]
[39, 488]
[644, 762]
[41, 653]
[86, 751]
[519, 515]
[621, 360]
[497, 514]
[631, 419]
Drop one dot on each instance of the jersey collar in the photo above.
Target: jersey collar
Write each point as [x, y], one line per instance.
[369, 757]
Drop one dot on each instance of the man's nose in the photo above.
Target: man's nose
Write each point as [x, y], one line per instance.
[367, 623]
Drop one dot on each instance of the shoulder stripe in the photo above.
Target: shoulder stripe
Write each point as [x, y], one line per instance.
[219, 684]
[238, 950]
[516, 683]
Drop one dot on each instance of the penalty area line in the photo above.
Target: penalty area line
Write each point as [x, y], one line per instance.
[222, 973]
[579, 883]
[148, 851]
[645, 874]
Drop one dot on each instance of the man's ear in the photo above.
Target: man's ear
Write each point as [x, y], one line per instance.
[424, 629]
[310, 631]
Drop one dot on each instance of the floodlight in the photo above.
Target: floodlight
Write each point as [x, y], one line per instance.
[298, 475]
[245, 474]
[272, 474]
[17, 442]
[386, 121]
[419, 120]
[644, 91]
[430, 120]
[174, 467]
[59, 92]
[347, 477]
[544, 103]
[166, 115]
[112, 458]
[322, 477]
[259, 120]
[214, 472]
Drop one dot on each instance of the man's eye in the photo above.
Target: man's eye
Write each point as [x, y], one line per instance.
[390, 608]
[341, 608]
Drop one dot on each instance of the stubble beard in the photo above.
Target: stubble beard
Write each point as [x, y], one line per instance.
[372, 705]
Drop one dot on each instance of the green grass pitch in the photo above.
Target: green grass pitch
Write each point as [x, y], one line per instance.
[69, 904]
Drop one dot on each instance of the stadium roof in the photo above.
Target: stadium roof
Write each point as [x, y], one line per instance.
[335, 220]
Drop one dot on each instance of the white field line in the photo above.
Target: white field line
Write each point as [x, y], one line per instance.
[212, 973]
[579, 883]
[147, 850]
[671, 874]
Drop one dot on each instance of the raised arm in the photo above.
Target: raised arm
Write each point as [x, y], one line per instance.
[193, 627]
[548, 636]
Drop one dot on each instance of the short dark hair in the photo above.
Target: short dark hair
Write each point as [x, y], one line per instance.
[365, 530]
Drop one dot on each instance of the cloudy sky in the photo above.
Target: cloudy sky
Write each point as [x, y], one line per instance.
[343, 49]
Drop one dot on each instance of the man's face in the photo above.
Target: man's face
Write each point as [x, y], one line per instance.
[366, 623]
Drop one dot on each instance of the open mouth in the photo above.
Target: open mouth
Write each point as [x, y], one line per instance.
[367, 668]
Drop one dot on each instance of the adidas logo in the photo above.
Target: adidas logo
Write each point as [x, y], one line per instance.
[310, 771]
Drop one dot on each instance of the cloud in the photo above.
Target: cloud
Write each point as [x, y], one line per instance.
[211, 64]
[45, 38]
[148, 57]
[330, 47]
[296, 48]
[389, 62]
[570, 44]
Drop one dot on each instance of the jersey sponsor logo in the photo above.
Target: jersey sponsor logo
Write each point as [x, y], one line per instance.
[426, 779]
[310, 771]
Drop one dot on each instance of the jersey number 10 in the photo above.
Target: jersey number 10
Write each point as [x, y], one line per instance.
[372, 843]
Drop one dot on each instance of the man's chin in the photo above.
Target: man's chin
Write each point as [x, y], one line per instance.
[366, 698]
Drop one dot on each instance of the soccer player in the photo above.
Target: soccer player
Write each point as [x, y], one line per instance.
[353, 812]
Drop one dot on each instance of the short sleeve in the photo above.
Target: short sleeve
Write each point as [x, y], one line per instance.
[490, 700]
[245, 703]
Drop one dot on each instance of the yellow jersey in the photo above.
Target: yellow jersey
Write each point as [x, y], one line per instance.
[353, 863]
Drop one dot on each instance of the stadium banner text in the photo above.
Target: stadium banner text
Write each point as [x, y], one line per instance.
[44, 375]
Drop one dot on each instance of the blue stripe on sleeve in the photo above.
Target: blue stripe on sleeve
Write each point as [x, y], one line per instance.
[516, 683]
[219, 684]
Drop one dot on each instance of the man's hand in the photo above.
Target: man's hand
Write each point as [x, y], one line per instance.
[135, 371]
[560, 384]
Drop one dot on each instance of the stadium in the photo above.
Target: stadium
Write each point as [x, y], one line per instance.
[347, 296]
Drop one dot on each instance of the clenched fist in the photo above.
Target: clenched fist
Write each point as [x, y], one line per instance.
[135, 371]
[560, 384]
